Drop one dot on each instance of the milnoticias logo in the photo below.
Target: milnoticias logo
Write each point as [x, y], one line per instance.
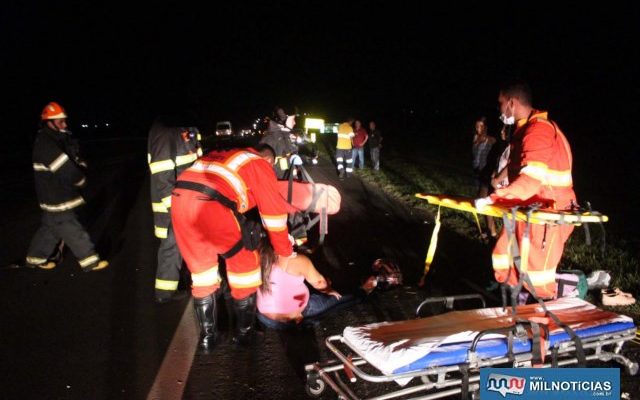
[504, 384]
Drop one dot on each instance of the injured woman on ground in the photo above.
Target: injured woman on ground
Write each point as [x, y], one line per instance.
[285, 301]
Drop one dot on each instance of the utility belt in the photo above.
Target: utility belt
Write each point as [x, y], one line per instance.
[251, 231]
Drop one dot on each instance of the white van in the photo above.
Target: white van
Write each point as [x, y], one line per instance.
[223, 128]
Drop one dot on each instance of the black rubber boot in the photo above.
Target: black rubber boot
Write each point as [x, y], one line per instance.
[207, 313]
[245, 312]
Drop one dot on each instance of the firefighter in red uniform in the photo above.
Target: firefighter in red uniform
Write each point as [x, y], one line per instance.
[539, 172]
[207, 216]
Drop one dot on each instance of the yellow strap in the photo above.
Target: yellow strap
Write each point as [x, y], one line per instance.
[475, 216]
[432, 245]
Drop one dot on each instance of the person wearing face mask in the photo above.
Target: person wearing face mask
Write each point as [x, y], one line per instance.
[59, 173]
[539, 172]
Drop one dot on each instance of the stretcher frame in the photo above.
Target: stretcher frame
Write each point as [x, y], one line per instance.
[460, 379]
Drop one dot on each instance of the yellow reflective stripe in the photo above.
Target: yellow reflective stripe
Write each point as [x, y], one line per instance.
[80, 182]
[229, 176]
[36, 260]
[274, 222]
[186, 159]
[58, 162]
[345, 135]
[245, 280]
[536, 170]
[559, 178]
[159, 207]
[198, 137]
[67, 205]
[238, 160]
[199, 151]
[166, 201]
[161, 233]
[160, 166]
[89, 260]
[206, 278]
[540, 278]
[40, 167]
[500, 261]
[166, 285]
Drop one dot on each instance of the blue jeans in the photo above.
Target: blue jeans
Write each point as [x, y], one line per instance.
[375, 157]
[359, 152]
[319, 305]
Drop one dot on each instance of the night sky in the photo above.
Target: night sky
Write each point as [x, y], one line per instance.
[104, 61]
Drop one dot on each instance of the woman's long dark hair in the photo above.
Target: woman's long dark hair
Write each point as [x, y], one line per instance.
[267, 259]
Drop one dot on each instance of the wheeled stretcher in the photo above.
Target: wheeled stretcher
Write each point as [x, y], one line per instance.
[441, 356]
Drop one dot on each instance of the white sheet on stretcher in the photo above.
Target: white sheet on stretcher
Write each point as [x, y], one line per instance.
[389, 358]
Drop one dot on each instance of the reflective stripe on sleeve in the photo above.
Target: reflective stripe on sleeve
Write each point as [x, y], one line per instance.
[159, 207]
[40, 167]
[166, 201]
[186, 159]
[245, 280]
[58, 162]
[80, 182]
[166, 285]
[209, 277]
[160, 166]
[161, 233]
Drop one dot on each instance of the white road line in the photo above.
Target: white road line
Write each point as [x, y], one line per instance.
[174, 371]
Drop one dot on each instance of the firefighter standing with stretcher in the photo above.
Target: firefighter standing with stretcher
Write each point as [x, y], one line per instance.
[208, 207]
[539, 173]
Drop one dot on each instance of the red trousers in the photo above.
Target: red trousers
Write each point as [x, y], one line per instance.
[204, 229]
[544, 248]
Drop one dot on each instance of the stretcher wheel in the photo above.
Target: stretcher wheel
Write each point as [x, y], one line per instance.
[315, 386]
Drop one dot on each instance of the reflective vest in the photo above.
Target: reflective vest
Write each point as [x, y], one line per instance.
[345, 134]
[171, 150]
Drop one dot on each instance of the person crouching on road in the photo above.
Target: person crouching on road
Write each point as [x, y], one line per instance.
[59, 174]
[207, 214]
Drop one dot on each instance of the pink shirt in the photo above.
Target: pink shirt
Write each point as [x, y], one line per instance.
[288, 293]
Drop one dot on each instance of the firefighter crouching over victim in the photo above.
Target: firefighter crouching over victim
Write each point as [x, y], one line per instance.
[59, 174]
[172, 149]
[207, 207]
[539, 173]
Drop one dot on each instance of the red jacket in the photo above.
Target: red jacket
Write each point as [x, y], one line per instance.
[246, 178]
[539, 165]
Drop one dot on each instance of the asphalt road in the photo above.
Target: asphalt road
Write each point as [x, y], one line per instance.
[66, 334]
